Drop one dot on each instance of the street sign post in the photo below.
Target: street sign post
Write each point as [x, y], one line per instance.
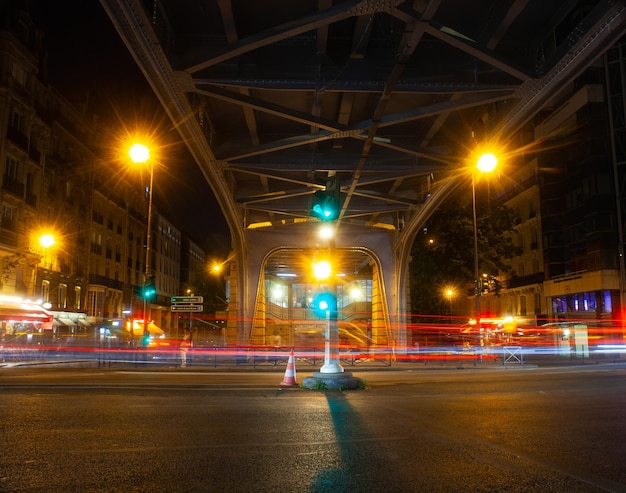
[186, 308]
[186, 299]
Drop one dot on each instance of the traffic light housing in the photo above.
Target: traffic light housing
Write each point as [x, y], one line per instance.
[323, 303]
[149, 289]
[325, 204]
[145, 340]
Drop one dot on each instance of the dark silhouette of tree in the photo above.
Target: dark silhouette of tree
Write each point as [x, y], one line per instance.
[443, 253]
[212, 288]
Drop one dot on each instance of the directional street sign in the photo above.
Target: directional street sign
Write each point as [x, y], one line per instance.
[187, 299]
[187, 308]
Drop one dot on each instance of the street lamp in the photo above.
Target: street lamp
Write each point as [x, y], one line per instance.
[46, 241]
[449, 295]
[325, 304]
[485, 164]
[140, 154]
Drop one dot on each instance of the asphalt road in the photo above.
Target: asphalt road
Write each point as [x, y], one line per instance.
[514, 430]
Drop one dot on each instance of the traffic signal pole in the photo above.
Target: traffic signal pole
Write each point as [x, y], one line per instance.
[326, 207]
[331, 340]
[148, 267]
[331, 375]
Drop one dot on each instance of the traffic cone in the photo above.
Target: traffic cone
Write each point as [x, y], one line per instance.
[289, 379]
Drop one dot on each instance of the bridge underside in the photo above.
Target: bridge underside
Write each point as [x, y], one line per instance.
[387, 97]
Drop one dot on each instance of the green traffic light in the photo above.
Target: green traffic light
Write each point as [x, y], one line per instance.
[325, 305]
[149, 289]
[324, 206]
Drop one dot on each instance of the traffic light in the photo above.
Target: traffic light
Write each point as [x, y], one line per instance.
[485, 285]
[145, 340]
[149, 290]
[325, 303]
[325, 204]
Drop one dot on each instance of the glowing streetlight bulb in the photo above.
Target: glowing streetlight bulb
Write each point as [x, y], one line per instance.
[322, 269]
[139, 153]
[46, 240]
[355, 293]
[326, 232]
[487, 162]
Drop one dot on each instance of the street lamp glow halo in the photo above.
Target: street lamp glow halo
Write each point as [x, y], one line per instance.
[322, 269]
[139, 153]
[487, 162]
[326, 232]
[46, 240]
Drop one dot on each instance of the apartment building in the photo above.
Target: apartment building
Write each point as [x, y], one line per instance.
[567, 191]
[56, 184]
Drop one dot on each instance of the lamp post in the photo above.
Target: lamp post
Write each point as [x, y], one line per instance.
[450, 295]
[46, 241]
[140, 154]
[327, 304]
[331, 375]
[485, 164]
[190, 293]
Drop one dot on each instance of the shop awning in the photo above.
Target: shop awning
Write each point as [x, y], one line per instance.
[138, 328]
[69, 319]
[18, 311]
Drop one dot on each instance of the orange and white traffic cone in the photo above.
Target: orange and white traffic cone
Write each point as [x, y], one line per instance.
[289, 379]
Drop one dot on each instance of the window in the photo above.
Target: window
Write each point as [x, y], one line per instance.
[45, 291]
[359, 290]
[12, 168]
[95, 303]
[278, 293]
[77, 296]
[18, 73]
[537, 303]
[96, 243]
[17, 121]
[8, 213]
[9, 217]
[62, 300]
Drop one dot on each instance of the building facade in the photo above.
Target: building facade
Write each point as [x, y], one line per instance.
[567, 192]
[56, 185]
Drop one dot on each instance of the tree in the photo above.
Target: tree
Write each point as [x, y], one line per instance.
[212, 288]
[443, 254]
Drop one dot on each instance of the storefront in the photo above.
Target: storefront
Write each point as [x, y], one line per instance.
[21, 319]
[71, 324]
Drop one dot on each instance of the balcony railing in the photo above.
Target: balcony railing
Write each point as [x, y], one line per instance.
[31, 199]
[105, 281]
[8, 237]
[516, 282]
[10, 184]
[34, 154]
[17, 137]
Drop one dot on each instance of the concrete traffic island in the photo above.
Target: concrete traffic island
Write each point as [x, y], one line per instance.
[332, 381]
[331, 375]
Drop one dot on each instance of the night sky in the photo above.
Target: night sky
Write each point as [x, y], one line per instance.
[87, 61]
